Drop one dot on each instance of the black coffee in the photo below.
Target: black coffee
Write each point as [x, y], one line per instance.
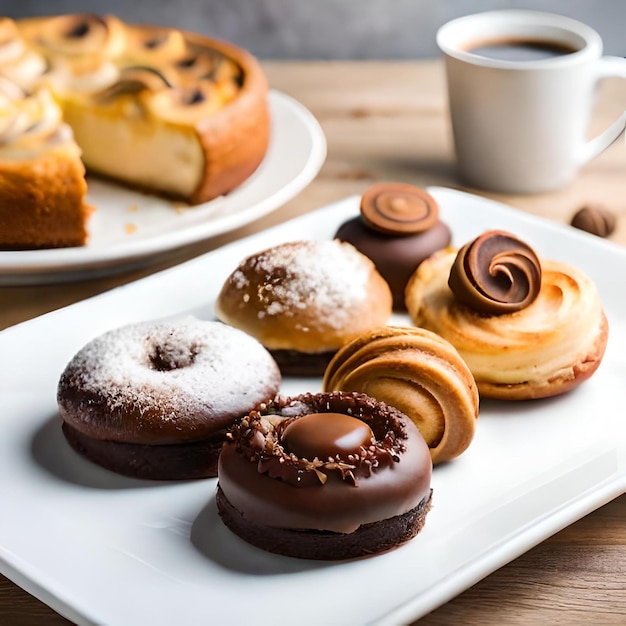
[521, 50]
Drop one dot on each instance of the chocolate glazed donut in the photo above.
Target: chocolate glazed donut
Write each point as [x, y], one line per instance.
[325, 476]
[153, 400]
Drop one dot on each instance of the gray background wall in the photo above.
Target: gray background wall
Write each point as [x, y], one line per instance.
[328, 29]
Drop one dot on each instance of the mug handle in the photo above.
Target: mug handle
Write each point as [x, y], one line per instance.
[608, 67]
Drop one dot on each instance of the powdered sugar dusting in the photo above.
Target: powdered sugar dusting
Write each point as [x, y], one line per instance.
[328, 277]
[188, 370]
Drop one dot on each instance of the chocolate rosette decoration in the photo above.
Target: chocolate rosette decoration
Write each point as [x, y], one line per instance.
[186, 103]
[419, 373]
[496, 273]
[304, 439]
[398, 209]
[202, 64]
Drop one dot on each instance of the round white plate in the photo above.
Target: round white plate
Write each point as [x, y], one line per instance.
[131, 228]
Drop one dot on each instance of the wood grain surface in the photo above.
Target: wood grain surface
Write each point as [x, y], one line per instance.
[389, 121]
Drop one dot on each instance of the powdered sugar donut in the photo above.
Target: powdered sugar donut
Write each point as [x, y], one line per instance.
[304, 299]
[154, 399]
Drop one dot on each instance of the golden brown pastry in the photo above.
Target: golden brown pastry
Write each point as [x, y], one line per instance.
[42, 179]
[154, 108]
[549, 344]
[420, 374]
[304, 299]
[197, 129]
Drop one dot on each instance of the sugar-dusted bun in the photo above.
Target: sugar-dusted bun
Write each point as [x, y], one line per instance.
[154, 399]
[540, 350]
[325, 476]
[420, 374]
[305, 299]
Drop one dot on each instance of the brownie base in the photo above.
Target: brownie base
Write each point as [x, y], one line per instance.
[295, 363]
[368, 539]
[183, 461]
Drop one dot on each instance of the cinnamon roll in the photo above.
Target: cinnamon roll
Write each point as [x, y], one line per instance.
[169, 112]
[419, 373]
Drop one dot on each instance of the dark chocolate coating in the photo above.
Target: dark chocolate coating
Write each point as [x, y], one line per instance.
[296, 363]
[395, 257]
[368, 539]
[367, 500]
[185, 461]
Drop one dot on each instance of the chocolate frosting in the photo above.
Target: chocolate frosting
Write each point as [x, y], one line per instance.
[395, 258]
[496, 273]
[398, 209]
[271, 485]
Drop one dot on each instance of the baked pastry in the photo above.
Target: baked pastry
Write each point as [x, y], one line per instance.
[419, 373]
[526, 327]
[42, 179]
[154, 399]
[325, 476]
[398, 227]
[165, 111]
[302, 300]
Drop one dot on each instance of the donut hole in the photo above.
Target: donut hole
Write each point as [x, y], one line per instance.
[165, 357]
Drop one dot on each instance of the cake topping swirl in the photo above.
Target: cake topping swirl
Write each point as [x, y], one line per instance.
[134, 79]
[79, 34]
[25, 124]
[398, 209]
[496, 273]
[17, 62]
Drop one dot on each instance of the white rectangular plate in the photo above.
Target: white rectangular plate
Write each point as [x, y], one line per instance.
[101, 548]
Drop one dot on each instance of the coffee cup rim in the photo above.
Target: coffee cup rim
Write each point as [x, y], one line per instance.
[513, 22]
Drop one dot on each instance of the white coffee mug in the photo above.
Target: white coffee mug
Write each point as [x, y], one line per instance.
[520, 125]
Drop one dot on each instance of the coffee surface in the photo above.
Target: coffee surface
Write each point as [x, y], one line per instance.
[520, 49]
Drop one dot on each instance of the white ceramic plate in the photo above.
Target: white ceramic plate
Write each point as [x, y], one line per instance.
[100, 548]
[130, 228]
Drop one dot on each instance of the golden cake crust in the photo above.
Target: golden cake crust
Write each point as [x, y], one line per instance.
[234, 140]
[42, 202]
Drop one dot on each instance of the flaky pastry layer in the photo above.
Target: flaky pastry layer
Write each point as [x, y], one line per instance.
[545, 349]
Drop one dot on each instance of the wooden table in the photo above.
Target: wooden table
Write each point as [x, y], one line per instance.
[388, 121]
